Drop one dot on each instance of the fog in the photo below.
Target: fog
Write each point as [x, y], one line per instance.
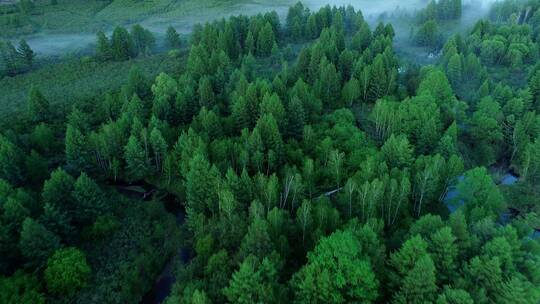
[57, 45]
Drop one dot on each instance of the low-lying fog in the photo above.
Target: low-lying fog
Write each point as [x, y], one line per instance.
[49, 44]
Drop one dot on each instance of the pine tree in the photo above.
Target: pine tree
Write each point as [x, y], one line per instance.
[173, 38]
[122, 44]
[57, 190]
[38, 106]
[350, 94]
[137, 166]
[90, 200]
[444, 252]
[103, 47]
[455, 69]
[362, 38]
[265, 40]
[10, 60]
[328, 85]
[10, 161]
[143, 40]
[76, 149]
[252, 282]
[26, 53]
[419, 285]
[159, 147]
[207, 97]
[36, 243]
[296, 118]
[201, 185]
[197, 63]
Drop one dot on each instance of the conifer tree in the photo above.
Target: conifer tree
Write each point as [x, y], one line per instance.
[26, 53]
[173, 38]
[136, 161]
[103, 48]
[38, 106]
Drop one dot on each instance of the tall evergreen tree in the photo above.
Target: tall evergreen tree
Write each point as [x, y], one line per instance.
[173, 38]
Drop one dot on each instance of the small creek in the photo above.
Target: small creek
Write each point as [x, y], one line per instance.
[162, 286]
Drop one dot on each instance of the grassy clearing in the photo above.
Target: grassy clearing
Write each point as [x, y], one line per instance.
[75, 79]
[75, 16]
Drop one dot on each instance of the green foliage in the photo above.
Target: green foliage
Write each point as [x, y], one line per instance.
[428, 34]
[337, 271]
[38, 106]
[253, 282]
[67, 271]
[37, 243]
[173, 38]
[21, 288]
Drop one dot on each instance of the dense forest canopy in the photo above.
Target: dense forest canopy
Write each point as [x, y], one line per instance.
[268, 159]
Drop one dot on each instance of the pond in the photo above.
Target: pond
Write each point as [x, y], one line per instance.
[452, 204]
[508, 179]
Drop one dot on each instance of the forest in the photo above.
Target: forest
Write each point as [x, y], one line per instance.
[303, 157]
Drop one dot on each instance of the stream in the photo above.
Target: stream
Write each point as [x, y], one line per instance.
[162, 285]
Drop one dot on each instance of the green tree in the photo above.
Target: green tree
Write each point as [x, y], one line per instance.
[36, 243]
[379, 79]
[42, 138]
[38, 106]
[486, 131]
[37, 167]
[103, 47]
[362, 38]
[137, 166]
[173, 38]
[122, 44]
[257, 241]
[296, 118]
[265, 40]
[10, 60]
[10, 161]
[397, 151]
[67, 271]
[444, 252]
[89, 199]
[428, 34]
[21, 288]
[202, 182]
[26, 52]
[207, 97]
[253, 282]
[351, 92]
[419, 284]
[454, 69]
[143, 40]
[57, 190]
[165, 90]
[403, 261]
[76, 149]
[480, 195]
[337, 271]
[328, 84]
[454, 296]
[159, 148]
